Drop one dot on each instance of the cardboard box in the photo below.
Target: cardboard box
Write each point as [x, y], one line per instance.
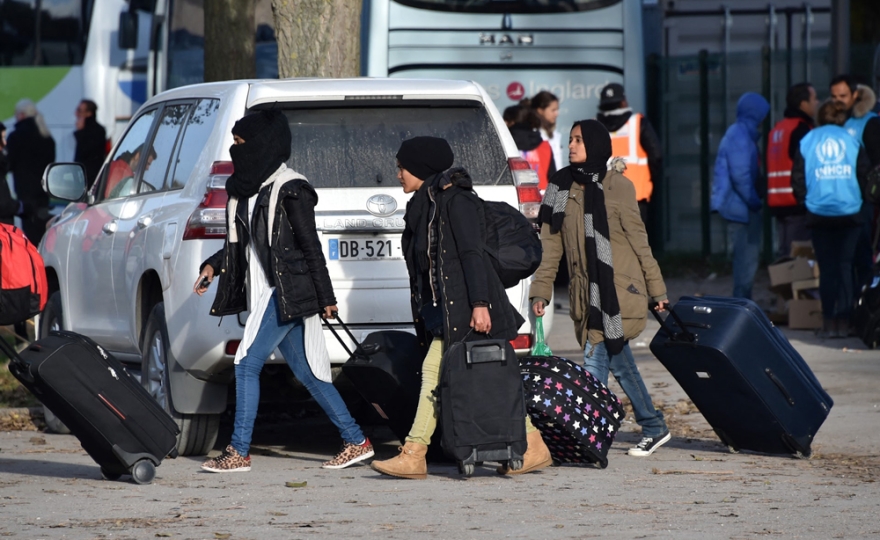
[804, 314]
[797, 269]
[807, 289]
[802, 248]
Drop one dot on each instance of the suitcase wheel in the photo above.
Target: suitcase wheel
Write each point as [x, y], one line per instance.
[466, 469]
[515, 464]
[143, 472]
[107, 475]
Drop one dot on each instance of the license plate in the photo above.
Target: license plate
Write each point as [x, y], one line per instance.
[364, 248]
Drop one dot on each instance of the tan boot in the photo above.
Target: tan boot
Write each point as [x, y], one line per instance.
[410, 463]
[537, 456]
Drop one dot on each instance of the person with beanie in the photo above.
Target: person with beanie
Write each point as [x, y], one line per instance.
[272, 265]
[590, 212]
[455, 289]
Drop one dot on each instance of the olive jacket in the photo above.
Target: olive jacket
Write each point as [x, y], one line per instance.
[637, 275]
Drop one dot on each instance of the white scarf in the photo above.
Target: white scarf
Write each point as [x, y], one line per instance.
[259, 292]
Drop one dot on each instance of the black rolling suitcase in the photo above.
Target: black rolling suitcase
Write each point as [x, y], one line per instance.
[482, 409]
[386, 371]
[115, 419]
[751, 385]
[577, 415]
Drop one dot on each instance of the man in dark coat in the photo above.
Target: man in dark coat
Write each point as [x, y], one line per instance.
[9, 207]
[31, 148]
[91, 139]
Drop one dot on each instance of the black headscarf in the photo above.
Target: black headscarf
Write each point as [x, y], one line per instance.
[266, 146]
[604, 311]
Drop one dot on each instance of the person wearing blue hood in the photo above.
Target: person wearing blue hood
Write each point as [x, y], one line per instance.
[735, 192]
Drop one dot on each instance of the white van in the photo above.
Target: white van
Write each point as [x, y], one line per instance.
[121, 266]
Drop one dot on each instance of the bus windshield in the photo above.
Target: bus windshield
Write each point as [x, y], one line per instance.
[509, 6]
[53, 34]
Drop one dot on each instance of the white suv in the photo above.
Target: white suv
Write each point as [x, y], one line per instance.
[121, 266]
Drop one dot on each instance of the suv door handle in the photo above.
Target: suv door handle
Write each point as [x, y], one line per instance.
[110, 227]
[144, 222]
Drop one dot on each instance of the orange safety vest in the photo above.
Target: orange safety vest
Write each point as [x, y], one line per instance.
[779, 192]
[625, 143]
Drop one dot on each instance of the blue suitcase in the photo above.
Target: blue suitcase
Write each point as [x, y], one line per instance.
[751, 385]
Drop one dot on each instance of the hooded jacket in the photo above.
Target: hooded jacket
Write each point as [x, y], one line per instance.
[734, 188]
[871, 134]
[464, 273]
[637, 276]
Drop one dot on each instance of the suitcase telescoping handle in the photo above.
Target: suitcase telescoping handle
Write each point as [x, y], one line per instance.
[17, 366]
[685, 336]
[362, 350]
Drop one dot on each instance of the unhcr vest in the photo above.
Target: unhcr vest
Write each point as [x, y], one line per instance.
[856, 126]
[830, 156]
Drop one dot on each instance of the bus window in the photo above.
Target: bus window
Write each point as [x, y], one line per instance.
[509, 6]
[186, 42]
[56, 38]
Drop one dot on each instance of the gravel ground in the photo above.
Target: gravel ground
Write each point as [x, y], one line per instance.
[691, 488]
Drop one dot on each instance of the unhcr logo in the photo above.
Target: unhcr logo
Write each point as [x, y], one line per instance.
[831, 152]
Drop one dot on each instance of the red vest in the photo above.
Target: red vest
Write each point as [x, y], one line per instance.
[779, 192]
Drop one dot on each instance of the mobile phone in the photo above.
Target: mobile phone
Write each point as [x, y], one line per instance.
[204, 283]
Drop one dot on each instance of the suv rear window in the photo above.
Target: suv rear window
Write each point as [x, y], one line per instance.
[356, 147]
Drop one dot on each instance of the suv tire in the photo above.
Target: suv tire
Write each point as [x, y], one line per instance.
[198, 432]
[52, 319]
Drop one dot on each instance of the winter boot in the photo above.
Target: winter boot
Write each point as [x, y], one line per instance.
[410, 463]
[537, 456]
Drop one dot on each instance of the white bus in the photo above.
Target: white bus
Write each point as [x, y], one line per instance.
[117, 53]
[513, 48]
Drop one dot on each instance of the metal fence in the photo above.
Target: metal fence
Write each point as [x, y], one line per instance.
[687, 103]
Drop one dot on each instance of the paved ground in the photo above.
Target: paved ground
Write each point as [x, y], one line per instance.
[692, 488]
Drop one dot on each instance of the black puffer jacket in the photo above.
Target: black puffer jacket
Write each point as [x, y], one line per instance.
[299, 270]
[466, 274]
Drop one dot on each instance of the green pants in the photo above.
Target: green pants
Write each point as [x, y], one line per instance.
[426, 414]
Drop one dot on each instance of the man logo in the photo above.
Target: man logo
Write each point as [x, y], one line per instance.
[381, 205]
[831, 151]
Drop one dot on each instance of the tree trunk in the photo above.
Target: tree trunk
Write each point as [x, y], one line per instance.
[229, 40]
[318, 38]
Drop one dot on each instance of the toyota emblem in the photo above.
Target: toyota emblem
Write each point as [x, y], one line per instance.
[381, 205]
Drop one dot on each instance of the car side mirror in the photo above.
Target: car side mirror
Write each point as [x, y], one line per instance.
[65, 181]
[128, 30]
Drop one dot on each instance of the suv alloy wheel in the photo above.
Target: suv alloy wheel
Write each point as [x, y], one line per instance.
[198, 432]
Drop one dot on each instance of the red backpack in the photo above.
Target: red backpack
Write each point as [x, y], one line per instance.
[23, 286]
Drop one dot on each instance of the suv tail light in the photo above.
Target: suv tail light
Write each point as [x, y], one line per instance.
[522, 341]
[209, 219]
[527, 192]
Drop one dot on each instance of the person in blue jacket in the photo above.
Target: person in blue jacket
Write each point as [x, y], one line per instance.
[735, 191]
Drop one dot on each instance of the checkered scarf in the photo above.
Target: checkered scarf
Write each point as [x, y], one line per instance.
[604, 308]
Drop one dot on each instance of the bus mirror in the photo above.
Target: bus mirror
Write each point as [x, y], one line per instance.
[65, 181]
[128, 30]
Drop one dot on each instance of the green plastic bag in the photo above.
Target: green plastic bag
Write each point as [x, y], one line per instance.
[541, 348]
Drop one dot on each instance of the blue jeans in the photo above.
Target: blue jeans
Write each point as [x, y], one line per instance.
[745, 238]
[289, 338]
[623, 366]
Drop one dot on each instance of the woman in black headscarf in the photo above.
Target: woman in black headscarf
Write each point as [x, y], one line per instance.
[590, 213]
[454, 288]
[272, 241]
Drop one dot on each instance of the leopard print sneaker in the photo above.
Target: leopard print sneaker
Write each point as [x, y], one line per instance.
[350, 454]
[229, 461]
